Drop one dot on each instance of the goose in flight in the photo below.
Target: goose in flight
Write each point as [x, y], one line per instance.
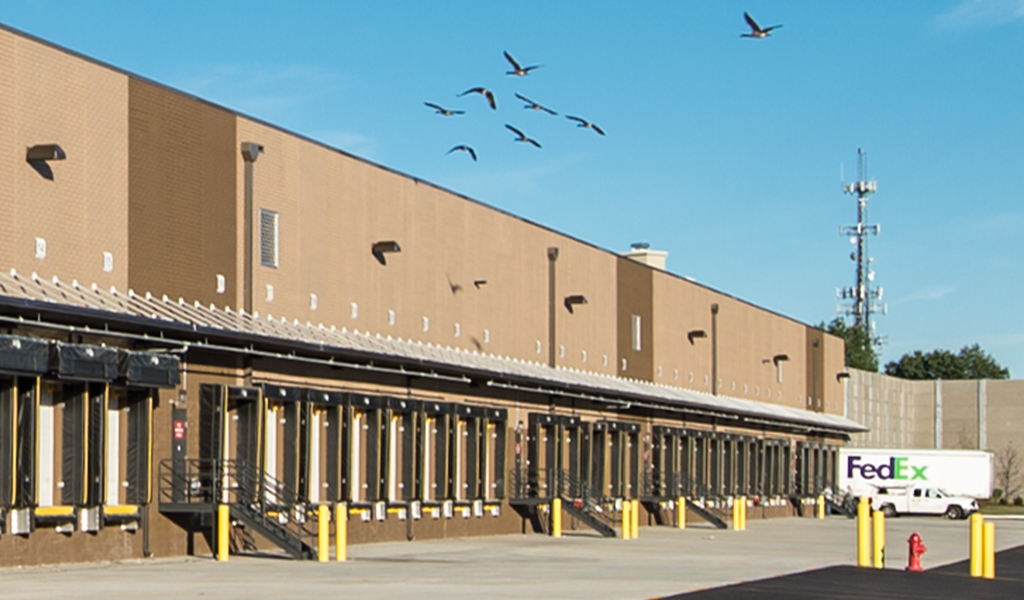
[486, 93]
[585, 124]
[463, 148]
[444, 111]
[533, 105]
[516, 69]
[755, 29]
[522, 136]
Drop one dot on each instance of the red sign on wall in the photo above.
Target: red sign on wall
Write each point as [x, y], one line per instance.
[179, 430]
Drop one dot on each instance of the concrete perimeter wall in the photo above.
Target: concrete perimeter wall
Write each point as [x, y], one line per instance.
[964, 414]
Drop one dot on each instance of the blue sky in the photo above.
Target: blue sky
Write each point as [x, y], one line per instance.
[724, 151]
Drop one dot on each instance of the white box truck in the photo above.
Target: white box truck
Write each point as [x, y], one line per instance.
[916, 481]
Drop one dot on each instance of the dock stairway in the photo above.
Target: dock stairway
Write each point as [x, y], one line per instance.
[257, 502]
[533, 488]
[699, 498]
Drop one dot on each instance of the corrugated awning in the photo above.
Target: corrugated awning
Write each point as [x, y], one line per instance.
[165, 313]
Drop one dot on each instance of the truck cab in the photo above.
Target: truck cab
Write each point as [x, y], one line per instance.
[893, 501]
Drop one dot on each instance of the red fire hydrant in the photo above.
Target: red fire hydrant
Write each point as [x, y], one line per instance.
[917, 548]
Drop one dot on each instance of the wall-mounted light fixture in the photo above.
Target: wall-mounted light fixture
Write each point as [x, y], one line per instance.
[38, 158]
[780, 358]
[251, 151]
[379, 249]
[574, 300]
[842, 376]
[479, 282]
[696, 334]
[45, 152]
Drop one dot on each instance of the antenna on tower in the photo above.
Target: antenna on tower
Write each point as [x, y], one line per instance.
[862, 300]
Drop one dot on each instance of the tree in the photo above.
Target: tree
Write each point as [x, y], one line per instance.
[971, 363]
[860, 353]
[1008, 471]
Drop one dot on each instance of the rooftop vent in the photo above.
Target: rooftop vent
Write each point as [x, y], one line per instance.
[641, 252]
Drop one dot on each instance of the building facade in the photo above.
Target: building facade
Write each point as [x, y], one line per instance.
[202, 309]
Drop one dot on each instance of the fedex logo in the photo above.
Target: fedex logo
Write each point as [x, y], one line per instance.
[897, 468]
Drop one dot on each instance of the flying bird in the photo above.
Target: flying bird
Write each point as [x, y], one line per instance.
[444, 111]
[533, 105]
[486, 93]
[522, 136]
[516, 69]
[463, 148]
[755, 29]
[585, 124]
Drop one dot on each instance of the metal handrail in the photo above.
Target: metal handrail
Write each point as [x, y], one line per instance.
[276, 503]
[224, 481]
[660, 485]
[544, 483]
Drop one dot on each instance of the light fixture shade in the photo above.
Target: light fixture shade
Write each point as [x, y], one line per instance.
[45, 152]
[574, 300]
[779, 358]
[386, 246]
[696, 334]
[251, 151]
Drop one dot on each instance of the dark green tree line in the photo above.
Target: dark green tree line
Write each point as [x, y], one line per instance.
[971, 363]
[860, 352]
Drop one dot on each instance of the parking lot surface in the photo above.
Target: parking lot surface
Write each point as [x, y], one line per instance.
[663, 562]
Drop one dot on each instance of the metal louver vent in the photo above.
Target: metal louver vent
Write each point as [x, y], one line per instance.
[268, 238]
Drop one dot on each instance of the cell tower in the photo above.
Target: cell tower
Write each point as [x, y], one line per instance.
[862, 300]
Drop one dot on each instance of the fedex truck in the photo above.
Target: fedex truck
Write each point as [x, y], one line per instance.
[864, 471]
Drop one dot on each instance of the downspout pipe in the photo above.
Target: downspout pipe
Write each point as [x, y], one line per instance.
[714, 349]
[552, 258]
[250, 152]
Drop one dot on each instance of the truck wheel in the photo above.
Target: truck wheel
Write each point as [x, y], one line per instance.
[889, 510]
[954, 512]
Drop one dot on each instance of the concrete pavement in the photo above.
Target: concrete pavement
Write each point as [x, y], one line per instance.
[662, 562]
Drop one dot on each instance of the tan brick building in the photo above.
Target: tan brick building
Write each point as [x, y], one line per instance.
[202, 309]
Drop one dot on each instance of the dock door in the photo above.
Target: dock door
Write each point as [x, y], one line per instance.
[815, 467]
[616, 459]
[671, 462]
[326, 443]
[230, 431]
[286, 454]
[555, 462]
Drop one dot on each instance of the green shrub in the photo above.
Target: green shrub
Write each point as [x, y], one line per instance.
[1018, 501]
[997, 494]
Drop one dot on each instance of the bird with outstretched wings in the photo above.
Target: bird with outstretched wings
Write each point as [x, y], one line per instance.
[522, 136]
[756, 31]
[486, 93]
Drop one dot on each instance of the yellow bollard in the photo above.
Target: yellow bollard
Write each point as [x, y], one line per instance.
[223, 531]
[627, 521]
[681, 512]
[341, 531]
[821, 506]
[743, 513]
[988, 542]
[556, 517]
[323, 533]
[863, 534]
[735, 514]
[635, 529]
[977, 522]
[879, 549]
